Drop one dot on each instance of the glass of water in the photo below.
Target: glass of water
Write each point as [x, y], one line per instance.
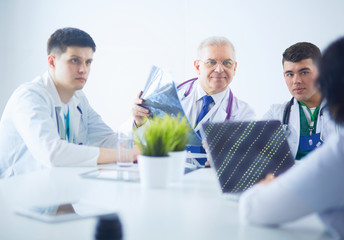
[125, 151]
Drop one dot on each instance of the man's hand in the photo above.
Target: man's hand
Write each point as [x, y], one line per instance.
[268, 179]
[203, 145]
[109, 155]
[139, 113]
[207, 164]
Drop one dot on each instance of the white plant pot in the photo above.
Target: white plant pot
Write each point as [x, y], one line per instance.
[154, 171]
[177, 166]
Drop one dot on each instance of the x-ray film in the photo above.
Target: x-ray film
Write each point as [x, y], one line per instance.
[160, 97]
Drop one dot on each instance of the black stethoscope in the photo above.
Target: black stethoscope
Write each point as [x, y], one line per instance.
[230, 100]
[286, 116]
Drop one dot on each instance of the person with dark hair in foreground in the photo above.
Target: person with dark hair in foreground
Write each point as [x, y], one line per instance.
[49, 122]
[316, 186]
[305, 118]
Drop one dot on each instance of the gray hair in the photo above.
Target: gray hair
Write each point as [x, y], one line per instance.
[214, 41]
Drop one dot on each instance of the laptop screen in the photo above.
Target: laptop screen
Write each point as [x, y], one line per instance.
[243, 152]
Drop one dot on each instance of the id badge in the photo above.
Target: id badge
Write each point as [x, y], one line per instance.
[309, 143]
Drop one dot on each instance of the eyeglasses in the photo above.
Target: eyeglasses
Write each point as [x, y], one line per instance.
[213, 63]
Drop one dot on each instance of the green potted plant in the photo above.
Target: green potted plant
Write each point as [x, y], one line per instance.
[162, 149]
[155, 144]
[156, 138]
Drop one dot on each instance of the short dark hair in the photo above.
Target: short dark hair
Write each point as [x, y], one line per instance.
[331, 79]
[300, 51]
[65, 37]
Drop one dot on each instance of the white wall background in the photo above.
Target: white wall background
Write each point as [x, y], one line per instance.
[133, 35]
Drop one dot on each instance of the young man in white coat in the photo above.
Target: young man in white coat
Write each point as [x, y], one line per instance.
[208, 97]
[49, 122]
[305, 117]
[316, 186]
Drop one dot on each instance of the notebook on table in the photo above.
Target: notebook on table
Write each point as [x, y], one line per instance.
[243, 152]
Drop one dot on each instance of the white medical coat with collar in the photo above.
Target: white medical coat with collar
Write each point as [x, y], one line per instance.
[241, 111]
[325, 124]
[29, 138]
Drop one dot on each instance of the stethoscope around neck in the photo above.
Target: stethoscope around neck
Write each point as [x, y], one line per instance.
[230, 100]
[286, 117]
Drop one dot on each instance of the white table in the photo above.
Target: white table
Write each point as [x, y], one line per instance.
[193, 209]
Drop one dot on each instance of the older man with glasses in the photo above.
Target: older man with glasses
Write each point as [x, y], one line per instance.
[208, 97]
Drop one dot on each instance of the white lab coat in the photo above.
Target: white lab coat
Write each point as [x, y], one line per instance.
[316, 185]
[29, 138]
[325, 125]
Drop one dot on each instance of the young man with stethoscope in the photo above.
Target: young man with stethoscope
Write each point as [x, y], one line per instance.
[316, 185]
[49, 122]
[208, 97]
[305, 117]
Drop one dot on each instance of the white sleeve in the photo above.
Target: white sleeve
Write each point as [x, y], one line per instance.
[334, 222]
[139, 131]
[315, 185]
[269, 114]
[249, 114]
[270, 204]
[243, 111]
[31, 115]
[274, 113]
[99, 134]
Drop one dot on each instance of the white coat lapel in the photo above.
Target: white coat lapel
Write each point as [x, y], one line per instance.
[323, 117]
[295, 117]
[75, 119]
[221, 113]
[294, 127]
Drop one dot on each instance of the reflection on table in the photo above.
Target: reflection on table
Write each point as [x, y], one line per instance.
[193, 209]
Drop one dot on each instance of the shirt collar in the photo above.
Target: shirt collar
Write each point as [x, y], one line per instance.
[216, 97]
